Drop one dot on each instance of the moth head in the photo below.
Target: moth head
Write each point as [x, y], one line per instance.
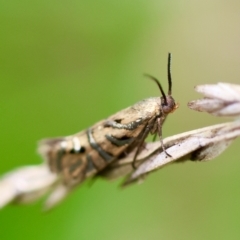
[168, 104]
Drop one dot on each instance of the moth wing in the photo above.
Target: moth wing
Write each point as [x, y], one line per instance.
[71, 166]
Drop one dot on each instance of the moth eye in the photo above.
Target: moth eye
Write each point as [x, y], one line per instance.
[171, 107]
[167, 109]
[168, 106]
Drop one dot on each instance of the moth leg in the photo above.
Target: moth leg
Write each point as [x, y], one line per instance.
[146, 131]
[129, 126]
[154, 137]
[160, 123]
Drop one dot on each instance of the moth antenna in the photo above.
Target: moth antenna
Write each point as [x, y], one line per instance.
[159, 85]
[169, 74]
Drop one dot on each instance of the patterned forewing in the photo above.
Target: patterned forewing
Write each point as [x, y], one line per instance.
[86, 153]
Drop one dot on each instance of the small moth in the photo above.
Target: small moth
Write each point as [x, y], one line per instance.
[89, 152]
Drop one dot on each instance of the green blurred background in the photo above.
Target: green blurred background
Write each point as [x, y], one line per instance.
[65, 65]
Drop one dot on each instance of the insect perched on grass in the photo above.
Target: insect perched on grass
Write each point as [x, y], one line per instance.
[90, 151]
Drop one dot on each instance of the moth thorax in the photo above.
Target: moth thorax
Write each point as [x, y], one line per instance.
[169, 106]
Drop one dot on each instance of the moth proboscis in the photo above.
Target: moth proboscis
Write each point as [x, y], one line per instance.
[87, 153]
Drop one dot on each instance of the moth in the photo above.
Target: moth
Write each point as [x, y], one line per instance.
[87, 153]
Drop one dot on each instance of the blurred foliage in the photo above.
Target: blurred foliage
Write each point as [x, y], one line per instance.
[67, 64]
